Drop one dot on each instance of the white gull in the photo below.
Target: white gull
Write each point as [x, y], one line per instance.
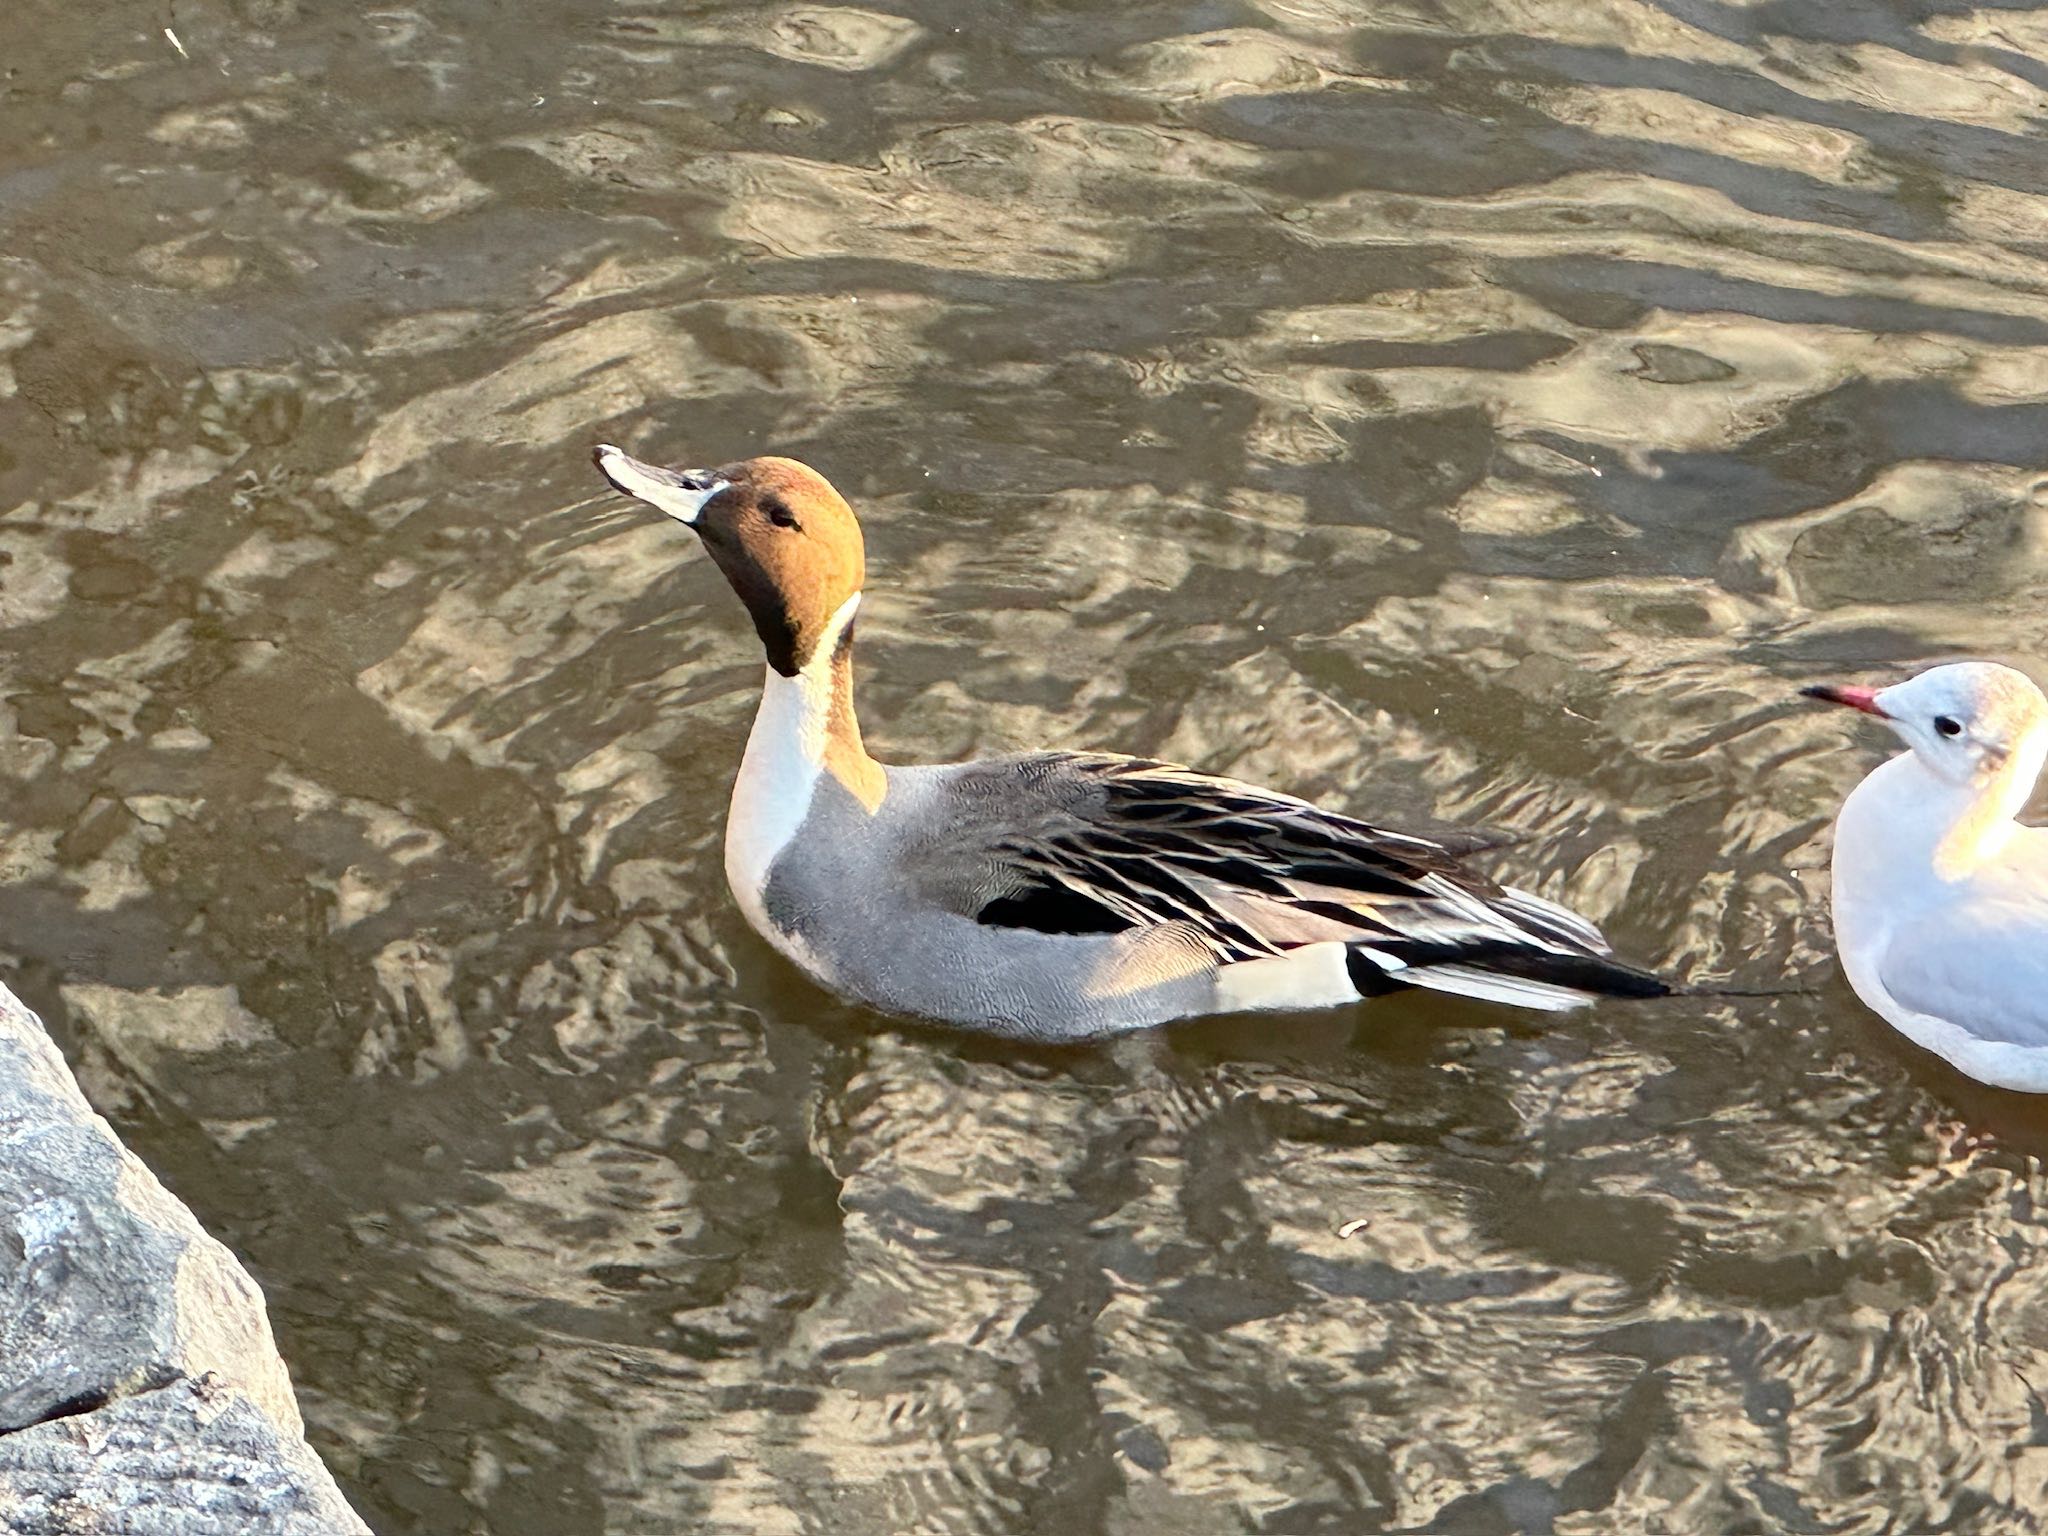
[1940, 895]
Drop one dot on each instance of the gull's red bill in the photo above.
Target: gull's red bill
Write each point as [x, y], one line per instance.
[1864, 699]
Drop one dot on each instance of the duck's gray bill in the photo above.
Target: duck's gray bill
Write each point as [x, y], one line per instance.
[680, 493]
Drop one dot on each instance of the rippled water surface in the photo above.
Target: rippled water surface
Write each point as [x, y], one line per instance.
[1481, 411]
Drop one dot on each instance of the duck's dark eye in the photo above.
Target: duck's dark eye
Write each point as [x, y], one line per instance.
[779, 513]
[1948, 725]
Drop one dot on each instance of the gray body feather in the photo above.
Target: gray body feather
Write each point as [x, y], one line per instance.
[1058, 896]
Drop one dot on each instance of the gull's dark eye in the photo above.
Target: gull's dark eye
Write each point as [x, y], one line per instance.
[779, 513]
[1948, 725]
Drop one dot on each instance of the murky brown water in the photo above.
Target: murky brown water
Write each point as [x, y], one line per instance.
[1485, 411]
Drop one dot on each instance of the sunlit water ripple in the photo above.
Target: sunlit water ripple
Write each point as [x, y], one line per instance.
[1457, 412]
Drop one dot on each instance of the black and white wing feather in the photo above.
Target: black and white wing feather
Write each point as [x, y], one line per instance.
[1111, 843]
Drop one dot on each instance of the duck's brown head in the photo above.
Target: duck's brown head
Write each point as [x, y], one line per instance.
[787, 541]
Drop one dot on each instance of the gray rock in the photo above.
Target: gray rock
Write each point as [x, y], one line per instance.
[140, 1388]
[195, 1456]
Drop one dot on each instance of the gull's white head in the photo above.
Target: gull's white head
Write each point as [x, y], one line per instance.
[1967, 720]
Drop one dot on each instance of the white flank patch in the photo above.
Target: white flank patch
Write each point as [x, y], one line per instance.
[785, 757]
[1514, 991]
[631, 476]
[1313, 976]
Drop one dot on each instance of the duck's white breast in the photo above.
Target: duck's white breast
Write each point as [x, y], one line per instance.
[778, 780]
[779, 775]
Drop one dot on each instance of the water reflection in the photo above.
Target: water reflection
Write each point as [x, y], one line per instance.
[1486, 413]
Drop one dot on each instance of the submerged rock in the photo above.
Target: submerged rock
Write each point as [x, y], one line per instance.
[140, 1389]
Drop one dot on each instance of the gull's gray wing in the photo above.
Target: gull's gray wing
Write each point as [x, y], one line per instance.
[1982, 965]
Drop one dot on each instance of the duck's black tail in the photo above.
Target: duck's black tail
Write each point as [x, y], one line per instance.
[1498, 971]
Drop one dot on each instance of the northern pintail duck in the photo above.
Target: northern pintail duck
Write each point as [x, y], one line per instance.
[1061, 895]
[1940, 896]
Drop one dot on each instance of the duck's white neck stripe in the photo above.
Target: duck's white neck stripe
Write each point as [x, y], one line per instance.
[784, 760]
